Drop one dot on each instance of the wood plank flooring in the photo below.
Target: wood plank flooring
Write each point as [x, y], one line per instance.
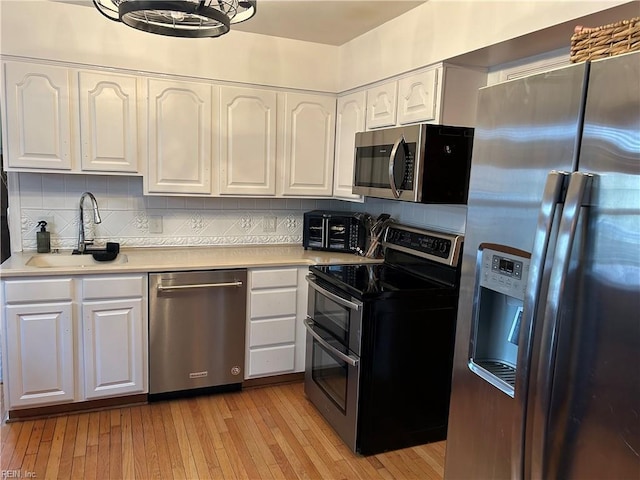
[258, 434]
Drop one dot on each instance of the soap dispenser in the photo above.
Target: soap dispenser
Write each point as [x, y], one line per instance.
[43, 238]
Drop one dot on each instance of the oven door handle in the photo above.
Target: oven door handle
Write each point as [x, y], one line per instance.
[348, 359]
[339, 300]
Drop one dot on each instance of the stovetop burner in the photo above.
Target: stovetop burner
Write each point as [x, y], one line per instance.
[415, 260]
[361, 280]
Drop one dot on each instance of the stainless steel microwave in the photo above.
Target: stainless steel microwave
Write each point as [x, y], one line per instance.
[420, 163]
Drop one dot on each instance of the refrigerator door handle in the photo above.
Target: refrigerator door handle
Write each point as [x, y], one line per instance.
[552, 196]
[576, 198]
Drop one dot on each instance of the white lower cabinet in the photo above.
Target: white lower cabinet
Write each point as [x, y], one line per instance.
[114, 333]
[274, 322]
[39, 354]
[70, 339]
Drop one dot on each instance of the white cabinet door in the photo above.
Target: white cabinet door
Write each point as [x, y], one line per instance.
[40, 368]
[381, 105]
[350, 118]
[38, 117]
[179, 129]
[417, 97]
[271, 322]
[308, 133]
[108, 122]
[113, 353]
[247, 141]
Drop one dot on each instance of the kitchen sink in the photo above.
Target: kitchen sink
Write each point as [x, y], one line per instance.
[52, 260]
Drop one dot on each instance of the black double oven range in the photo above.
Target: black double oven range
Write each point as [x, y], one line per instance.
[380, 341]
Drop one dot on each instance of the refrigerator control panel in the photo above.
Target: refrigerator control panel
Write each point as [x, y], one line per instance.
[504, 272]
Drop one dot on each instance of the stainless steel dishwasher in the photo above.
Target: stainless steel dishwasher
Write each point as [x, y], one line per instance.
[196, 331]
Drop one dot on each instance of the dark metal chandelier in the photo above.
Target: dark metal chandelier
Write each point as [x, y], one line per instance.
[179, 18]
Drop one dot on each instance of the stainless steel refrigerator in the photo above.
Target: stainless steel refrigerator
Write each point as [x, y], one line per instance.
[546, 380]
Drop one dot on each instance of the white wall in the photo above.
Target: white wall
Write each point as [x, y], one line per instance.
[442, 29]
[428, 34]
[75, 33]
[433, 32]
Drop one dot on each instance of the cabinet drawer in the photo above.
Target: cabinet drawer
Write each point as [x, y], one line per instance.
[271, 360]
[273, 303]
[284, 277]
[114, 286]
[272, 331]
[43, 290]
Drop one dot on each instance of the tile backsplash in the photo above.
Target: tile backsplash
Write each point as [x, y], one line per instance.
[135, 220]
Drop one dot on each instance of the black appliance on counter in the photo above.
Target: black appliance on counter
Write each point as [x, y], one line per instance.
[334, 231]
[380, 341]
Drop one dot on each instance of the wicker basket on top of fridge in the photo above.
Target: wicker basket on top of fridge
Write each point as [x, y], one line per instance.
[605, 41]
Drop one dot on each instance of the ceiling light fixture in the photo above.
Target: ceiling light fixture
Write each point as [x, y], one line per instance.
[179, 18]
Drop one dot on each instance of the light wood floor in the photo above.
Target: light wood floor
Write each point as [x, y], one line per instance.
[260, 433]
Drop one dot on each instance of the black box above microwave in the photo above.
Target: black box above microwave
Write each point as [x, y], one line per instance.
[420, 163]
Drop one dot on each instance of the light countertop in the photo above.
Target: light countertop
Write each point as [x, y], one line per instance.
[150, 259]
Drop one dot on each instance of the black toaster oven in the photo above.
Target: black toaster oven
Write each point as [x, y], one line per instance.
[334, 231]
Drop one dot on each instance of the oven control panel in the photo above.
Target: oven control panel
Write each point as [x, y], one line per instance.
[439, 246]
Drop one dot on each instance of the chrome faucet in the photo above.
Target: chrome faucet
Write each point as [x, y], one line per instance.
[82, 243]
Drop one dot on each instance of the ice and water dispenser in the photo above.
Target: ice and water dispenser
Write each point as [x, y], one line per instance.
[501, 280]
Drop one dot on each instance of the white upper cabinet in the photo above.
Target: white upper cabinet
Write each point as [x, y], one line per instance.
[247, 141]
[108, 122]
[458, 92]
[417, 97]
[442, 94]
[350, 118]
[307, 133]
[381, 105]
[180, 137]
[63, 120]
[38, 117]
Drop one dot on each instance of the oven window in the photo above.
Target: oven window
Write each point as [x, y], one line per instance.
[330, 374]
[332, 317]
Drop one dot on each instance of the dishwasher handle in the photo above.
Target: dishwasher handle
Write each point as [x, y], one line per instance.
[163, 288]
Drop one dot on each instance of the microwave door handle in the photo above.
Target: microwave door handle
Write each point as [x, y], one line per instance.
[348, 359]
[392, 162]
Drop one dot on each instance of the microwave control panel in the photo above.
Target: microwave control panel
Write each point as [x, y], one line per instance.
[409, 166]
